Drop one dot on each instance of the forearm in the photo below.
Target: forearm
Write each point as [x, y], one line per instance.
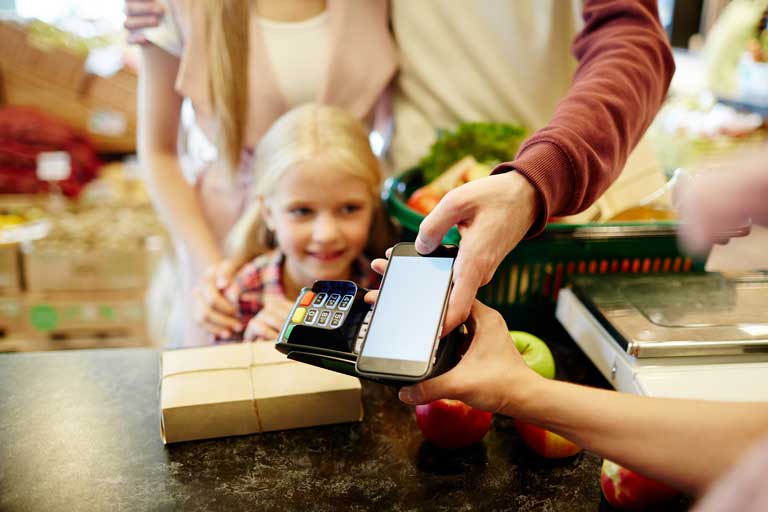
[179, 209]
[685, 443]
[625, 66]
[177, 203]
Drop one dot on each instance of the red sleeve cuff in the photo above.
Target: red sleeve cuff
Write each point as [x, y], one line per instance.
[548, 169]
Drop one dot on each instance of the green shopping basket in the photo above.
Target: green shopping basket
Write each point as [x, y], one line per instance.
[527, 282]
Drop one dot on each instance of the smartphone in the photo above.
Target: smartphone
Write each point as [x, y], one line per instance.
[404, 329]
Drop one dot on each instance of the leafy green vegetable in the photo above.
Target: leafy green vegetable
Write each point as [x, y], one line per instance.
[489, 143]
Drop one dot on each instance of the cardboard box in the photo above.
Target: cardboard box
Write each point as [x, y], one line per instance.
[246, 388]
[55, 81]
[101, 270]
[10, 271]
[11, 315]
[66, 317]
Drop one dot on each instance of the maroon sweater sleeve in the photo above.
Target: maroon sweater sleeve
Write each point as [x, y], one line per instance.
[625, 66]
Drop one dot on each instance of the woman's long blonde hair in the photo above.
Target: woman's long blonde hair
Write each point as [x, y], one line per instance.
[227, 24]
[309, 132]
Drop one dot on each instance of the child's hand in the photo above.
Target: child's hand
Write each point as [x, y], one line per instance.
[211, 310]
[379, 265]
[267, 323]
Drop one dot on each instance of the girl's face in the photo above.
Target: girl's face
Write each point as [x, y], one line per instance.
[321, 219]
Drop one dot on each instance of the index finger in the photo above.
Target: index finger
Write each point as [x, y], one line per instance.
[436, 224]
[215, 300]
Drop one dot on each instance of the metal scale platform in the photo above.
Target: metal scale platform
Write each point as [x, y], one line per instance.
[698, 336]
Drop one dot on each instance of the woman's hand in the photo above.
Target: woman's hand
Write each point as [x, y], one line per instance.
[141, 14]
[267, 323]
[491, 376]
[212, 311]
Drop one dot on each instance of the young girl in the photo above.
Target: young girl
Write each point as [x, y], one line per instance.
[241, 64]
[316, 209]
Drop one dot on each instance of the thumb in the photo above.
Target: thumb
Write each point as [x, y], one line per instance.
[427, 391]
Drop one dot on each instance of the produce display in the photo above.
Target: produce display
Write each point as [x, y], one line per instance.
[473, 150]
[44, 36]
[690, 130]
[24, 134]
[22, 224]
[15, 217]
[86, 229]
[468, 153]
[118, 184]
[627, 490]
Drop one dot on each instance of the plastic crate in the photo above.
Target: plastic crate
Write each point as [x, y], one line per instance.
[527, 282]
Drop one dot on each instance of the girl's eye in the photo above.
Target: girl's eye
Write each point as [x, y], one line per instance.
[300, 211]
[351, 208]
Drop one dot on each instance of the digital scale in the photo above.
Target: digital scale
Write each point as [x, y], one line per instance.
[696, 336]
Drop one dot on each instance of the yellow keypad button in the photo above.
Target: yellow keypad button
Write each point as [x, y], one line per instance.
[298, 315]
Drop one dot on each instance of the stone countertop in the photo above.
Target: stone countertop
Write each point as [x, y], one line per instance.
[79, 430]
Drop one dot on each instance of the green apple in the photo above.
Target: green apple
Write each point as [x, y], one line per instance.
[535, 353]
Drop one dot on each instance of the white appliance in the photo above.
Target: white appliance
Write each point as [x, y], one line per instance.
[698, 336]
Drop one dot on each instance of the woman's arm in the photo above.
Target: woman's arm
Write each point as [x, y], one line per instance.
[174, 198]
[685, 443]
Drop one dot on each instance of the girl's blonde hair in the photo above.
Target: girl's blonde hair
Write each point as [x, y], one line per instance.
[228, 41]
[309, 132]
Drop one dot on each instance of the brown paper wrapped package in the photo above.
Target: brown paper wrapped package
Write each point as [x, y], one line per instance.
[244, 388]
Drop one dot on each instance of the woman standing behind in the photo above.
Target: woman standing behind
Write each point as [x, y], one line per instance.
[242, 64]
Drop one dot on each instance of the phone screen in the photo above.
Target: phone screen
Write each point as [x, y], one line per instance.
[407, 316]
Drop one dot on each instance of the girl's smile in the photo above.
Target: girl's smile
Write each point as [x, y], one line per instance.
[327, 256]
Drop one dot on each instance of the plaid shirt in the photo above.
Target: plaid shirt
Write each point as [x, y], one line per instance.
[263, 276]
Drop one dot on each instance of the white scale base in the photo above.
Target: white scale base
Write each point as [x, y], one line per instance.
[741, 378]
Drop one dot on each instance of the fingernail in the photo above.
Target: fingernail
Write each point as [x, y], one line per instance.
[423, 246]
[406, 395]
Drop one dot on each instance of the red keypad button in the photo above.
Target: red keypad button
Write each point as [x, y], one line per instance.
[306, 299]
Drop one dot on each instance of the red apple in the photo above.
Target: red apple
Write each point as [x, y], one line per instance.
[546, 443]
[627, 490]
[452, 423]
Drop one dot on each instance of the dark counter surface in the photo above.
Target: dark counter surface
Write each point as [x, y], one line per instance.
[79, 430]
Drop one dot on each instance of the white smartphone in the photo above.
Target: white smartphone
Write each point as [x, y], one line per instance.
[404, 330]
